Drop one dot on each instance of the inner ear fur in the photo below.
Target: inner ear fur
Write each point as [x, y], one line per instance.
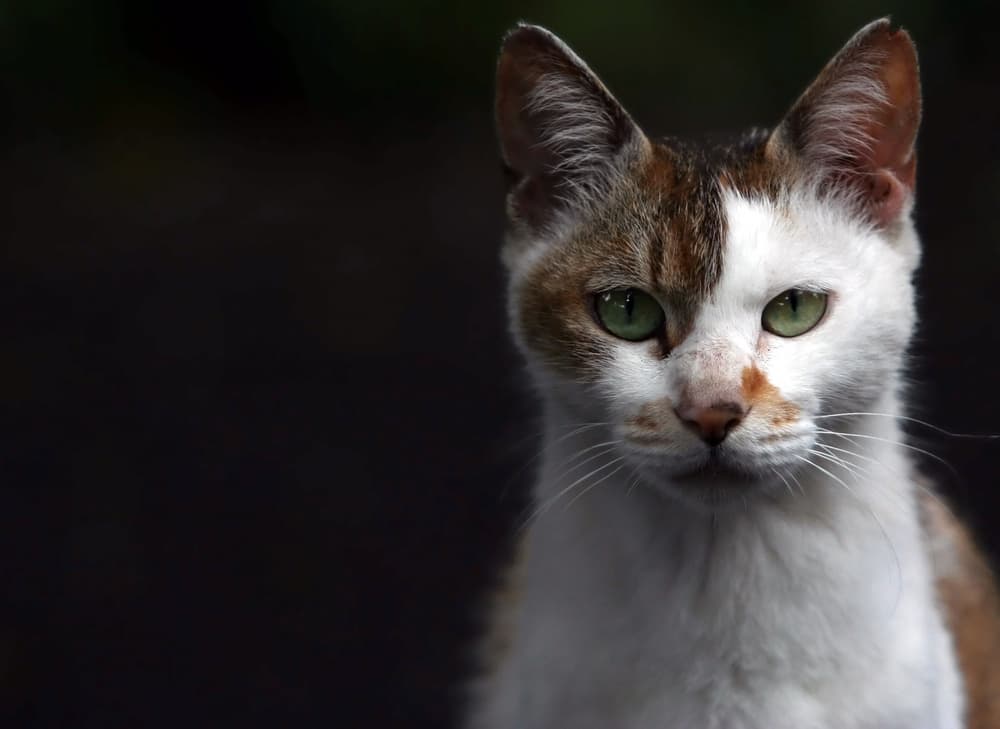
[856, 125]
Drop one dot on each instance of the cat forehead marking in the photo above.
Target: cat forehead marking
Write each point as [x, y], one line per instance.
[688, 225]
[689, 230]
[666, 231]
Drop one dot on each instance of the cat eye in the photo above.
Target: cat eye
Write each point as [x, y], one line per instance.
[794, 312]
[629, 313]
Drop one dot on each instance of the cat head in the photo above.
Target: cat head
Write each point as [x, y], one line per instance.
[709, 304]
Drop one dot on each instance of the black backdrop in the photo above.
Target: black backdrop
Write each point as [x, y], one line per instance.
[263, 432]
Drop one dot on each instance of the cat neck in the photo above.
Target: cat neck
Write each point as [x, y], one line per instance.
[853, 528]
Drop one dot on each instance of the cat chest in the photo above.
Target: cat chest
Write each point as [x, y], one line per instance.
[637, 663]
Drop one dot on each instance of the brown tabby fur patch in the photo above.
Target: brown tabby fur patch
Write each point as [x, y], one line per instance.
[967, 591]
[648, 424]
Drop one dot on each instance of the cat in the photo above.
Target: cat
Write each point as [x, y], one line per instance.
[727, 531]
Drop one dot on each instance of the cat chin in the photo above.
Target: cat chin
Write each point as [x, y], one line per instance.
[711, 485]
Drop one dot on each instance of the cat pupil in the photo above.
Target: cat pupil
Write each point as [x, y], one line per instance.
[629, 303]
[793, 299]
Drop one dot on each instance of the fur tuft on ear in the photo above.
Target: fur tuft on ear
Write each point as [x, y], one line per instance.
[562, 134]
[855, 127]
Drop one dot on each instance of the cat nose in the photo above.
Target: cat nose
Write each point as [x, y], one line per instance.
[713, 423]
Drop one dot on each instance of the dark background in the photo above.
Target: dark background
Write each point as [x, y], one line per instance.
[262, 429]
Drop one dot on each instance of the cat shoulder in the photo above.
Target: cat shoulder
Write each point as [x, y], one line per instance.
[970, 599]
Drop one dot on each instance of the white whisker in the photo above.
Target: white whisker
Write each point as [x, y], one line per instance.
[908, 419]
[915, 481]
[547, 447]
[598, 482]
[548, 503]
[835, 478]
[635, 481]
[835, 461]
[878, 522]
[588, 449]
[851, 436]
[849, 467]
[783, 480]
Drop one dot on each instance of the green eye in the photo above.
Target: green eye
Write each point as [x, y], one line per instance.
[629, 313]
[794, 312]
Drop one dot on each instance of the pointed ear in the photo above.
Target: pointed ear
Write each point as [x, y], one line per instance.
[563, 135]
[856, 125]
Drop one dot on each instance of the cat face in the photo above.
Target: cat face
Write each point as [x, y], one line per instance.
[709, 304]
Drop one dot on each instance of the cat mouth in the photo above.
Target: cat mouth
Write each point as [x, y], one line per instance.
[715, 479]
[716, 473]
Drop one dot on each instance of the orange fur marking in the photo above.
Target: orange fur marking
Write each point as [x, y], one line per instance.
[759, 392]
[496, 643]
[968, 593]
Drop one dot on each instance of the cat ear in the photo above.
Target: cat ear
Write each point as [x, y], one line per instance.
[562, 134]
[856, 125]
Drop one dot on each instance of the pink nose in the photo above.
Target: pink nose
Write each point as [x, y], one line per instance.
[713, 423]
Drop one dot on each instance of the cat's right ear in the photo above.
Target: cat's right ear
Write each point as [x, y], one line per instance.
[562, 134]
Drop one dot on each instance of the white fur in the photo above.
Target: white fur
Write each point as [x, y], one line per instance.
[810, 604]
[577, 135]
[840, 118]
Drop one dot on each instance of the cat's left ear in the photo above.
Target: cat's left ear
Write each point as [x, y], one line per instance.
[856, 125]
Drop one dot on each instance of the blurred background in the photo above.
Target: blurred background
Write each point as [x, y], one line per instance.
[263, 434]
